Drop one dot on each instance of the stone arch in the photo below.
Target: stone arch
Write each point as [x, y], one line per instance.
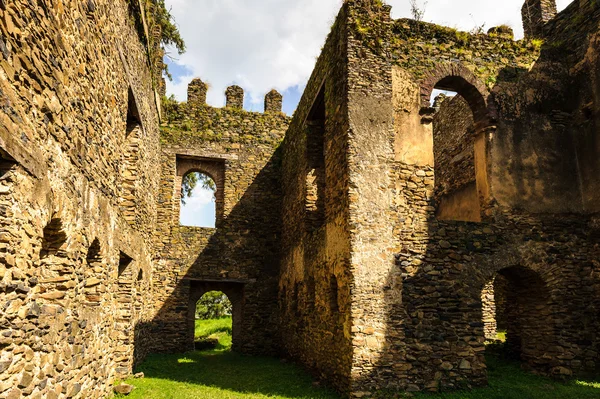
[235, 293]
[532, 288]
[458, 78]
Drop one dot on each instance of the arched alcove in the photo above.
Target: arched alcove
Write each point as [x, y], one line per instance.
[198, 200]
[95, 274]
[130, 160]
[54, 239]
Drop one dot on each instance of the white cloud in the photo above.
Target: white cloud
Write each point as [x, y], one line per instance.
[199, 199]
[468, 14]
[259, 44]
[265, 44]
[199, 209]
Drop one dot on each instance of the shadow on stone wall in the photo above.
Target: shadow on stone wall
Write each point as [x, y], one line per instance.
[240, 258]
[433, 337]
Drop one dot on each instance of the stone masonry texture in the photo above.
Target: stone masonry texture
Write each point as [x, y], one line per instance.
[378, 236]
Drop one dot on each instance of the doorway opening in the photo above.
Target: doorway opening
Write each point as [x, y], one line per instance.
[518, 318]
[213, 321]
[215, 315]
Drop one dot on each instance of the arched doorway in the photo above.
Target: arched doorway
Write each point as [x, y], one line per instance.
[228, 298]
[517, 303]
[213, 321]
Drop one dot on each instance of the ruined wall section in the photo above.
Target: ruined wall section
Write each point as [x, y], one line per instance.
[316, 282]
[69, 318]
[239, 150]
[421, 47]
[549, 118]
[420, 325]
[574, 38]
[544, 145]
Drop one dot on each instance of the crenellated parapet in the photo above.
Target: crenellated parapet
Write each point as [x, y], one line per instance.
[273, 101]
[189, 123]
[234, 95]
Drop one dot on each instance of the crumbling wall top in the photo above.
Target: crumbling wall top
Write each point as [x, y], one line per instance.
[420, 47]
[535, 14]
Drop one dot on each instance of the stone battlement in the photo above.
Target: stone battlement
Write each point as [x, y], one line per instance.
[197, 90]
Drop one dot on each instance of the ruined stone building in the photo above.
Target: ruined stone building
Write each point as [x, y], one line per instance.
[375, 237]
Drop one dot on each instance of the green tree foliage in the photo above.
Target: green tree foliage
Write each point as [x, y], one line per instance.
[192, 180]
[213, 305]
[159, 17]
[170, 33]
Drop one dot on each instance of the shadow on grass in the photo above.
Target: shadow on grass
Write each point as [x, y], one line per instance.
[222, 374]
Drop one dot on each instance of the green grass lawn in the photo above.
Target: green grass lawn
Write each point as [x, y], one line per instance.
[222, 374]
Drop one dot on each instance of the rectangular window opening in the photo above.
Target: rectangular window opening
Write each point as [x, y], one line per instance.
[124, 262]
[315, 160]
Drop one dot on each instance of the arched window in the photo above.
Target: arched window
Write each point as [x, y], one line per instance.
[454, 101]
[198, 200]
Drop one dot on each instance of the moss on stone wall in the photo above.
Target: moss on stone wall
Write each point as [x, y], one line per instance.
[186, 125]
[419, 47]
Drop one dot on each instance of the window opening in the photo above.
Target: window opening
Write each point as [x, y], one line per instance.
[198, 200]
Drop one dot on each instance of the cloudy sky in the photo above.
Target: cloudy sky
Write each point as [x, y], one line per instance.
[265, 44]
[199, 210]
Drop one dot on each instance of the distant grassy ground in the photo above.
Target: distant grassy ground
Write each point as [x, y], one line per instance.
[216, 328]
[222, 374]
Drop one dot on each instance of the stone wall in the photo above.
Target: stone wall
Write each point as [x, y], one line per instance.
[332, 238]
[561, 119]
[239, 151]
[417, 281]
[454, 155]
[69, 314]
[315, 283]
[535, 14]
